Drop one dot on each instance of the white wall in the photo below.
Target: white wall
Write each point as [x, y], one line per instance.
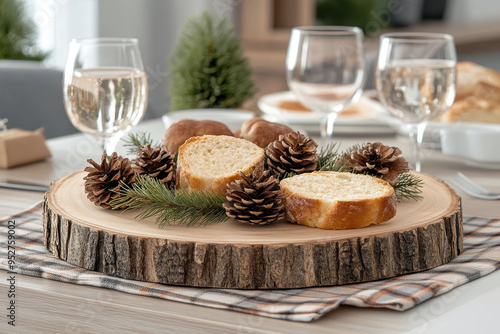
[156, 24]
[467, 11]
[60, 21]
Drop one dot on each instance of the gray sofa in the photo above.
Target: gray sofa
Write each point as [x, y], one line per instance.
[32, 97]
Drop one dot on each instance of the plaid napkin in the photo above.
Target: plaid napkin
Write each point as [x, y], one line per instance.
[481, 256]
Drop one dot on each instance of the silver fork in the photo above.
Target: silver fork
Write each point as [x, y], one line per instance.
[472, 188]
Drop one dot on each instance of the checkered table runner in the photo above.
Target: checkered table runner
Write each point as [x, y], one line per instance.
[481, 256]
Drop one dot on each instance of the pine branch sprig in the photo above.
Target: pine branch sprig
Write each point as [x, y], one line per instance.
[409, 186]
[135, 142]
[328, 159]
[331, 160]
[171, 207]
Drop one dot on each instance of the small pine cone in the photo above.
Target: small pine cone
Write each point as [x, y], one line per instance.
[378, 160]
[103, 181]
[255, 200]
[292, 153]
[158, 163]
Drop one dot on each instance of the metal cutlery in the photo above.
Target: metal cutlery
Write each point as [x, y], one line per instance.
[472, 188]
[23, 186]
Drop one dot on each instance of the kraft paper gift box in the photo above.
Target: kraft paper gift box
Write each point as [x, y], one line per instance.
[19, 147]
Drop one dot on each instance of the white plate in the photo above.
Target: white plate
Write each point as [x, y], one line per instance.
[232, 118]
[370, 121]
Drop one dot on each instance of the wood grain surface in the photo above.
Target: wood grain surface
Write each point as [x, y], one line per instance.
[424, 234]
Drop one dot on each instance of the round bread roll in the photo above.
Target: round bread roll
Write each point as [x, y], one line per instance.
[211, 162]
[261, 132]
[337, 201]
[184, 129]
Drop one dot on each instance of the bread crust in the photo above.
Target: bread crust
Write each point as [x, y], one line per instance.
[186, 179]
[184, 129]
[261, 132]
[339, 214]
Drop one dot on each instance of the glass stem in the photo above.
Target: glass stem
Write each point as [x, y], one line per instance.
[326, 129]
[108, 144]
[416, 138]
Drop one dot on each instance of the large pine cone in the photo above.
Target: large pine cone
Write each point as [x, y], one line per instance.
[255, 200]
[102, 182]
[158, 163]
[378, 160]
[292, 153]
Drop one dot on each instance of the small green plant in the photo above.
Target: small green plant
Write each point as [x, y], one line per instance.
[17, 33]
[207, 67]
[364, 14]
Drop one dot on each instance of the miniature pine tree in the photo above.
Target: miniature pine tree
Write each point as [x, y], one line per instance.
[17, 33]
[207, 67]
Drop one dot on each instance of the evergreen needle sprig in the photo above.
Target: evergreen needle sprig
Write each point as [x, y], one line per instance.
[327, 157]
[409, 186]
[330, 159]
[135, 142]
[172, 207]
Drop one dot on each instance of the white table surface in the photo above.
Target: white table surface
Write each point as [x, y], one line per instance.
[46, 306]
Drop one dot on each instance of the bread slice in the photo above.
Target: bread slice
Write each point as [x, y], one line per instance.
[487, 91]
[471, 77]
[211, 162]
[338, 201]
[473, 110]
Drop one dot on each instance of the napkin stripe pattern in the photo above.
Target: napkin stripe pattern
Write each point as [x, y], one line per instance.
[480, 257]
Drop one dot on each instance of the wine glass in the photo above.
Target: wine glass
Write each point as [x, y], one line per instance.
[415, 79]
[105, 88]
[325, 69]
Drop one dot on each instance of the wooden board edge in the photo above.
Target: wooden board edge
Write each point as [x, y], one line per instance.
[254, 266]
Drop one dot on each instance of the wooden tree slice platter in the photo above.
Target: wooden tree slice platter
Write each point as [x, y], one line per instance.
[424, 234]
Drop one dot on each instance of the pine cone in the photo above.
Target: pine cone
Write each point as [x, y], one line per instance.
[292, 153]
[378, 160]
[158, 163]
[103, 181]
[255, 200]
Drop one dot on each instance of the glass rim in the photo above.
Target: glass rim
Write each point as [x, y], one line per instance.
[417, 36]
[105, 41]
[324, 30]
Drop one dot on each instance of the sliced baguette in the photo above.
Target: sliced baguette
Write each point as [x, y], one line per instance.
[211, 162]
[337, 201]
[473, 110]
[471, 79]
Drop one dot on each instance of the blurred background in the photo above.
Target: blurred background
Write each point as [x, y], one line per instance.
[263, 26]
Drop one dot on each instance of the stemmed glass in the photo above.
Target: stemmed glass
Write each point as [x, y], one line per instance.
[325, 69]
[105, 88]
[415, 79]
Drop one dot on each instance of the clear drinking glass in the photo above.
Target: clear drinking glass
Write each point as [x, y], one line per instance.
[105, 87]
[325, 69]
[415, 79]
